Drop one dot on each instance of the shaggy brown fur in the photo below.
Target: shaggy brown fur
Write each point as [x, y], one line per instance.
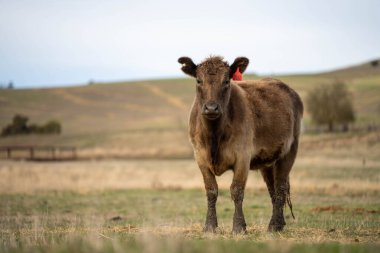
[241, 126]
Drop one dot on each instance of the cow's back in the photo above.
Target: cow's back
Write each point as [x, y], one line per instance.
[276, 112]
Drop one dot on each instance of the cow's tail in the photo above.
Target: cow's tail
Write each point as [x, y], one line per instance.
[289, 201]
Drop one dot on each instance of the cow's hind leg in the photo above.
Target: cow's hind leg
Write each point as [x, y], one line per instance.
[267, 173]
[211, 187]
[281, 188]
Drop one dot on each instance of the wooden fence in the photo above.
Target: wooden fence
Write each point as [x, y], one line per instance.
[41, 153]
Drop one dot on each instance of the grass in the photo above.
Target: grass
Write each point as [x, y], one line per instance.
[159, 206]
[171, 219]
[153, 205]
[154, 244]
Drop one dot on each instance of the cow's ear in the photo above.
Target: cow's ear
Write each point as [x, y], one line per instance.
[241, 63]
[188, 66]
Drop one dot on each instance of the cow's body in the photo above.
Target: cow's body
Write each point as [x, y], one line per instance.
[264, 122]
[258, 128]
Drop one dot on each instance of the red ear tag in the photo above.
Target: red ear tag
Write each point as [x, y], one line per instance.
[237, 75]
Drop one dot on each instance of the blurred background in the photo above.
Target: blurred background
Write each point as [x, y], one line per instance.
[61, 43]
[127, 95]
[92, 99]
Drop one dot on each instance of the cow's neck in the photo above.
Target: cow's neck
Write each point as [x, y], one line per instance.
[214, 133]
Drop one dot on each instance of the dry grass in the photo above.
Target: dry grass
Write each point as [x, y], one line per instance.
[142, 118]
[159, 206]
[310, 174]
[156, 217]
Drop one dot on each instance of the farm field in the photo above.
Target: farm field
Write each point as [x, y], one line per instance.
[149, 118]
[160, 205]
[136, 188]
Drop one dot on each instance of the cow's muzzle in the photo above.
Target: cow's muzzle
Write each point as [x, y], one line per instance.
[211, 110]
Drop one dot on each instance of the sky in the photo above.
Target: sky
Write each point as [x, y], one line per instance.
[46, 43]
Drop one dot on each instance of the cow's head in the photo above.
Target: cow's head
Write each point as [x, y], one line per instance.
[213, 77]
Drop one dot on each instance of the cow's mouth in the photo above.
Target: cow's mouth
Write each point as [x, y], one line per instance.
[211, 116]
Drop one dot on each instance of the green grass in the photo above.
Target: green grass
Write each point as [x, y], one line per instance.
[128, 244]
[154, 244]
[91, 206]
[172, 220]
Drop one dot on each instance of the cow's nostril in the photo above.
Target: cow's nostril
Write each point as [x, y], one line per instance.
[212, 107]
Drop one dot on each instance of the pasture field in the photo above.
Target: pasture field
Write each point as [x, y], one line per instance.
[149, 118]
[160, 205]
[154, 201]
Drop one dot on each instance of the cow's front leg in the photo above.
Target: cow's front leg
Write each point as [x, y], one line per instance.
[237, 195]
[211, 187]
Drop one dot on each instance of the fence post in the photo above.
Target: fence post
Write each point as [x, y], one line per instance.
[9, 153]
[74, 153]
[31, 153]
[53, 152]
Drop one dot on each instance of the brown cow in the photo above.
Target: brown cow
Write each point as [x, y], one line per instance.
[241, 126]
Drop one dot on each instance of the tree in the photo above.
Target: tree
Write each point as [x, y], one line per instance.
[10, 85]
[52, 127]
[331, 104]
[18, 126]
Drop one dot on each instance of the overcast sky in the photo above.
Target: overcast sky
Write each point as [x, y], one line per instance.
[49, 43]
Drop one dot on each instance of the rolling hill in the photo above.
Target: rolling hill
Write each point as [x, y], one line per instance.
[371, 68]
[149, 118]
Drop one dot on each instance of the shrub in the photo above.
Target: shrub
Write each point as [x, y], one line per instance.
[330, 105]
[52, 127]
[20, 125]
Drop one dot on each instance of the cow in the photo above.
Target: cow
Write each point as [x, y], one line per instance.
[242, 126]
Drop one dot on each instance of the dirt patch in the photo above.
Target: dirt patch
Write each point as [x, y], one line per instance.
[363, 210]
[334, 209]
[327, 209]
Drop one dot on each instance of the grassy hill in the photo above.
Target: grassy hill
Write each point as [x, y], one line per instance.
[371, 68]
[149, 118]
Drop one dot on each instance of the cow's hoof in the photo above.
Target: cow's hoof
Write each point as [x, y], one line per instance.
[276, 227]
[239, 230]
[209, 229]
[276, 224]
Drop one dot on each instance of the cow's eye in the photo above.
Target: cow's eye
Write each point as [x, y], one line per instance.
[199, 82]
[226, 85]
